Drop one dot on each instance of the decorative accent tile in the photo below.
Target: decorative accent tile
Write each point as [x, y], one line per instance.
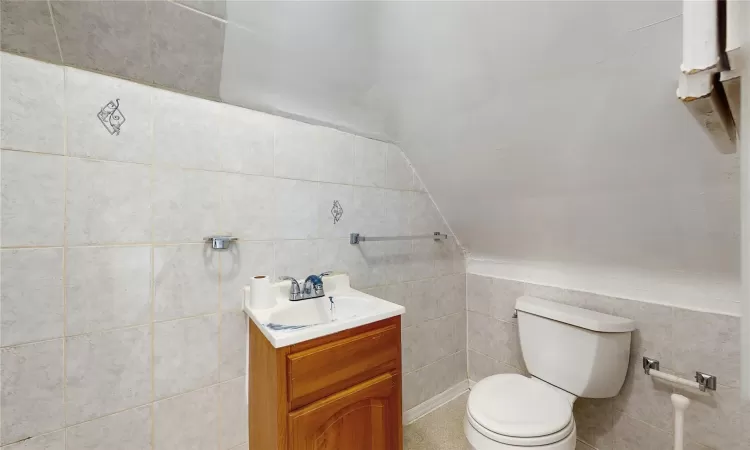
[186, 49]
[31, 295]
[33, 199]
[108, 118]
[107, 288]
[109, 37]
[335, 211]
[107, 372]
[27, 30]
[31, 394]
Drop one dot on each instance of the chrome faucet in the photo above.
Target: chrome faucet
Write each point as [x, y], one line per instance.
[312, 288]
[294, 293]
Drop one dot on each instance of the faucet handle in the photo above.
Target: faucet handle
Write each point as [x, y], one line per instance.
[295, 284]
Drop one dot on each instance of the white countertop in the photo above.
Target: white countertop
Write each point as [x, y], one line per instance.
[336, 286]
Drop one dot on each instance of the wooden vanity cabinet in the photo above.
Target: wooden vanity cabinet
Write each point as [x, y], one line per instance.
[337, 392]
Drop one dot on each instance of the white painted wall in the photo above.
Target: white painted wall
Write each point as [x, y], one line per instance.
[563, 147]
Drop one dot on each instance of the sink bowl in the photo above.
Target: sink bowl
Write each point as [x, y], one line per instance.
[289, 322]
[318, 311]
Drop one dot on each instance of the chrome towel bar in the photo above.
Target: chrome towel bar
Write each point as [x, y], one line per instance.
[356, 238]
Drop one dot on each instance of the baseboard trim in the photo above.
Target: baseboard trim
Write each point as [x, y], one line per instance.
[435, 402]
[472, 383]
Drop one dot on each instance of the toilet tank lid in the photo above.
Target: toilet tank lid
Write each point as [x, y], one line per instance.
[579, 317]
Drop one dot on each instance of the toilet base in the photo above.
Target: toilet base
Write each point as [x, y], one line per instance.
[478, 441]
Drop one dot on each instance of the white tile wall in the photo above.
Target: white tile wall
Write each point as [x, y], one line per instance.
[107, 202]
[106, 372]
[120, 328]
[234, 412]
[369, 162]
[107, 288]
[187, 131]
[186, 281]
[33, 199]
[252, 223]
[31, 294]
[641, 416]
[398, 171]
[295, 151]
[32, 390]
[186, 205]
[187, 421]
[86, 94]
[127, 430]
[32, 105]
[185, 355]
[51, 441]
[247, 138]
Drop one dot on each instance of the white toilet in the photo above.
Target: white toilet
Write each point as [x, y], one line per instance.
[570, 352]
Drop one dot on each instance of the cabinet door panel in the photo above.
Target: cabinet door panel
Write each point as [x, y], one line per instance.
[363, 417]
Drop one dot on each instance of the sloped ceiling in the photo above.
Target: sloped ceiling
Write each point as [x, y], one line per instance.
[545, 131]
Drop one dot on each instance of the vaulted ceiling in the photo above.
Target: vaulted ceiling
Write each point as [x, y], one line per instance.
[545, 131]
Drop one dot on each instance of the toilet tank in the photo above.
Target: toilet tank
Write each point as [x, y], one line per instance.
[578, 350]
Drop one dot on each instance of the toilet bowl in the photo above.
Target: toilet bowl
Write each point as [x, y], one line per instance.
[570, 352]
[510, 411]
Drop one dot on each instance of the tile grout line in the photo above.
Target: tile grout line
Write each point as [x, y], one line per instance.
[65, 246]
[466, 305]
[168, 166]
[152, 291]
[220, 224]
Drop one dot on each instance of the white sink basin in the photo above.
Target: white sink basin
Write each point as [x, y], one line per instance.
[291, 322]
[320, 311]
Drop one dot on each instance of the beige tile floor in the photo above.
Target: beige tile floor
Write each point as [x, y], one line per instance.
[443, 429]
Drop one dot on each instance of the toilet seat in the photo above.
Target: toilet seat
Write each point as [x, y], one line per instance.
[519, 411]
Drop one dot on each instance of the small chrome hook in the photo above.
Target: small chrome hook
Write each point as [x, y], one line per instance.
[220, 242]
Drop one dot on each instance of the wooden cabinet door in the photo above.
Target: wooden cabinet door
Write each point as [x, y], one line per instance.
[366, 416]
